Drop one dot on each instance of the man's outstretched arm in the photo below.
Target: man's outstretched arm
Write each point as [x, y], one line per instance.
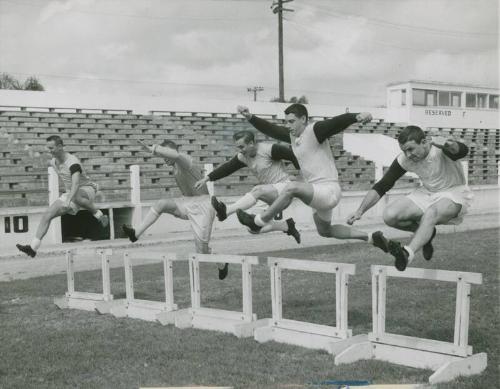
[378, 190]
[327, 128]
[267, 128]
[282, 152]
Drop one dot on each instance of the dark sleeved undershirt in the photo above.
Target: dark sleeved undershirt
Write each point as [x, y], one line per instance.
[75, 168]
[326, 128]
[279, 152]
[226, 169]
[463, 150]
[270, 129]
[390, 177]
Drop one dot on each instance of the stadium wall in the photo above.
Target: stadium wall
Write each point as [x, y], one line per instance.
[22, 223]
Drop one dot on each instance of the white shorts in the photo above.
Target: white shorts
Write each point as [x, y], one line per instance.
[199, 211]
[74, 208]
[459, 195]
[325, 198]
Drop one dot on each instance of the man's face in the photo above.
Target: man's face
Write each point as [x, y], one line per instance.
[249, 149]
[295, 125]
[415, 151]
[53, 149]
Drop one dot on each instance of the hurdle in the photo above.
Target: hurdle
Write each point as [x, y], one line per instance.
[300, 333]
[147, 309]
[240, 324]
[86, 300]
[448, 360]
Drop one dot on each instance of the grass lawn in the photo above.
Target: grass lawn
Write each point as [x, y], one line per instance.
[44, 347]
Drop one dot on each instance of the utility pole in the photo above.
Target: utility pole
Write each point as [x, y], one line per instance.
[255, 89]
[277, 8]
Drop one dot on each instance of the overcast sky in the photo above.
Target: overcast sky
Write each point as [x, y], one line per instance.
[336, 51]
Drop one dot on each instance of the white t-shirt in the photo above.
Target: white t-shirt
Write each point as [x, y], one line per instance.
[437, 171]
[266, 169]
[315, 159]
[63, 171]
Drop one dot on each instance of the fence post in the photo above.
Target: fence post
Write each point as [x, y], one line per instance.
[135, 194]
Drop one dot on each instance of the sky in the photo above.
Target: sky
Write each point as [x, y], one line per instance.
[335, 51]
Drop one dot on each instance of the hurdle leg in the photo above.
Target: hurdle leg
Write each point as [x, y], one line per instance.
[475, 364]
[62, 302]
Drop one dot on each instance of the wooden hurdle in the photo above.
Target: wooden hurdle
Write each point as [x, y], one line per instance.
[449, 360]
[300, 333]
[85, 300]
[240, 324]
[147, 309]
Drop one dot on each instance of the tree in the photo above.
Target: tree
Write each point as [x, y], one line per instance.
[9, 82]
[32, 83]
[294, 99]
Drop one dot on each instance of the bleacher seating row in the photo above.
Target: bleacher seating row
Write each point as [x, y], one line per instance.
[106, 143]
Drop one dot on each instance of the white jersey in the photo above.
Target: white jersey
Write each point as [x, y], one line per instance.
[315, 159]
[186, 174]
[266, 169]
[437, 171]
[63, 171]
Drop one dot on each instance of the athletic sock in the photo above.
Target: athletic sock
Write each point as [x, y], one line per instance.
[370, 238]
[35, 243]
[98, 214]
[150, 218]
[258, 220]
[243, 203]
[411, 253]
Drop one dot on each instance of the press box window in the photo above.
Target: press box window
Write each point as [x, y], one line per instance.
[444, 99]
[494, 101]
[481, 100]
[470, 100]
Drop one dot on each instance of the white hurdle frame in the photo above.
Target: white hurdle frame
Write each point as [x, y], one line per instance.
[449, 360]
[147, 309]
[300, 333]
[86, 300]
[240, 324]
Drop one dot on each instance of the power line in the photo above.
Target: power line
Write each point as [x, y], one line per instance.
[386, 23]
[171, 18]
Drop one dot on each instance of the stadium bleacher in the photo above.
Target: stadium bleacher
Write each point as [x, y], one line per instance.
[106, 143]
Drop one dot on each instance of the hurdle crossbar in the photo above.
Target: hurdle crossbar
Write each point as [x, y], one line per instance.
[240, 324]
[87, 301]
[147, 309]
[448, 359]
[310, 335]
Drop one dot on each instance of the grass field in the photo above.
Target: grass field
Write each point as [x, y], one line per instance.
[44, 347]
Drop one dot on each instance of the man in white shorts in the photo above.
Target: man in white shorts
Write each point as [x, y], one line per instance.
[443, 197]
[193, 206]
[320, 189]
[79, 194]
[265, 161]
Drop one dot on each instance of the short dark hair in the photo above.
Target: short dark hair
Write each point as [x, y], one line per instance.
[248, 136]
[298, 110]
[410, 133]
[56, 139]
[169, 143]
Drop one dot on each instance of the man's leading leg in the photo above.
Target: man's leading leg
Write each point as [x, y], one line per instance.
[439, 213]
[162, 206]
[55, 210]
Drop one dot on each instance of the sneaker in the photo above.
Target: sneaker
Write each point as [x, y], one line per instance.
[26, 250]
[130, 232]
[380, 241]
[247, 219]
[401, 255]
[104, 220]
[427, 249]
[220, 208]
[292, 230]
[223, 272]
